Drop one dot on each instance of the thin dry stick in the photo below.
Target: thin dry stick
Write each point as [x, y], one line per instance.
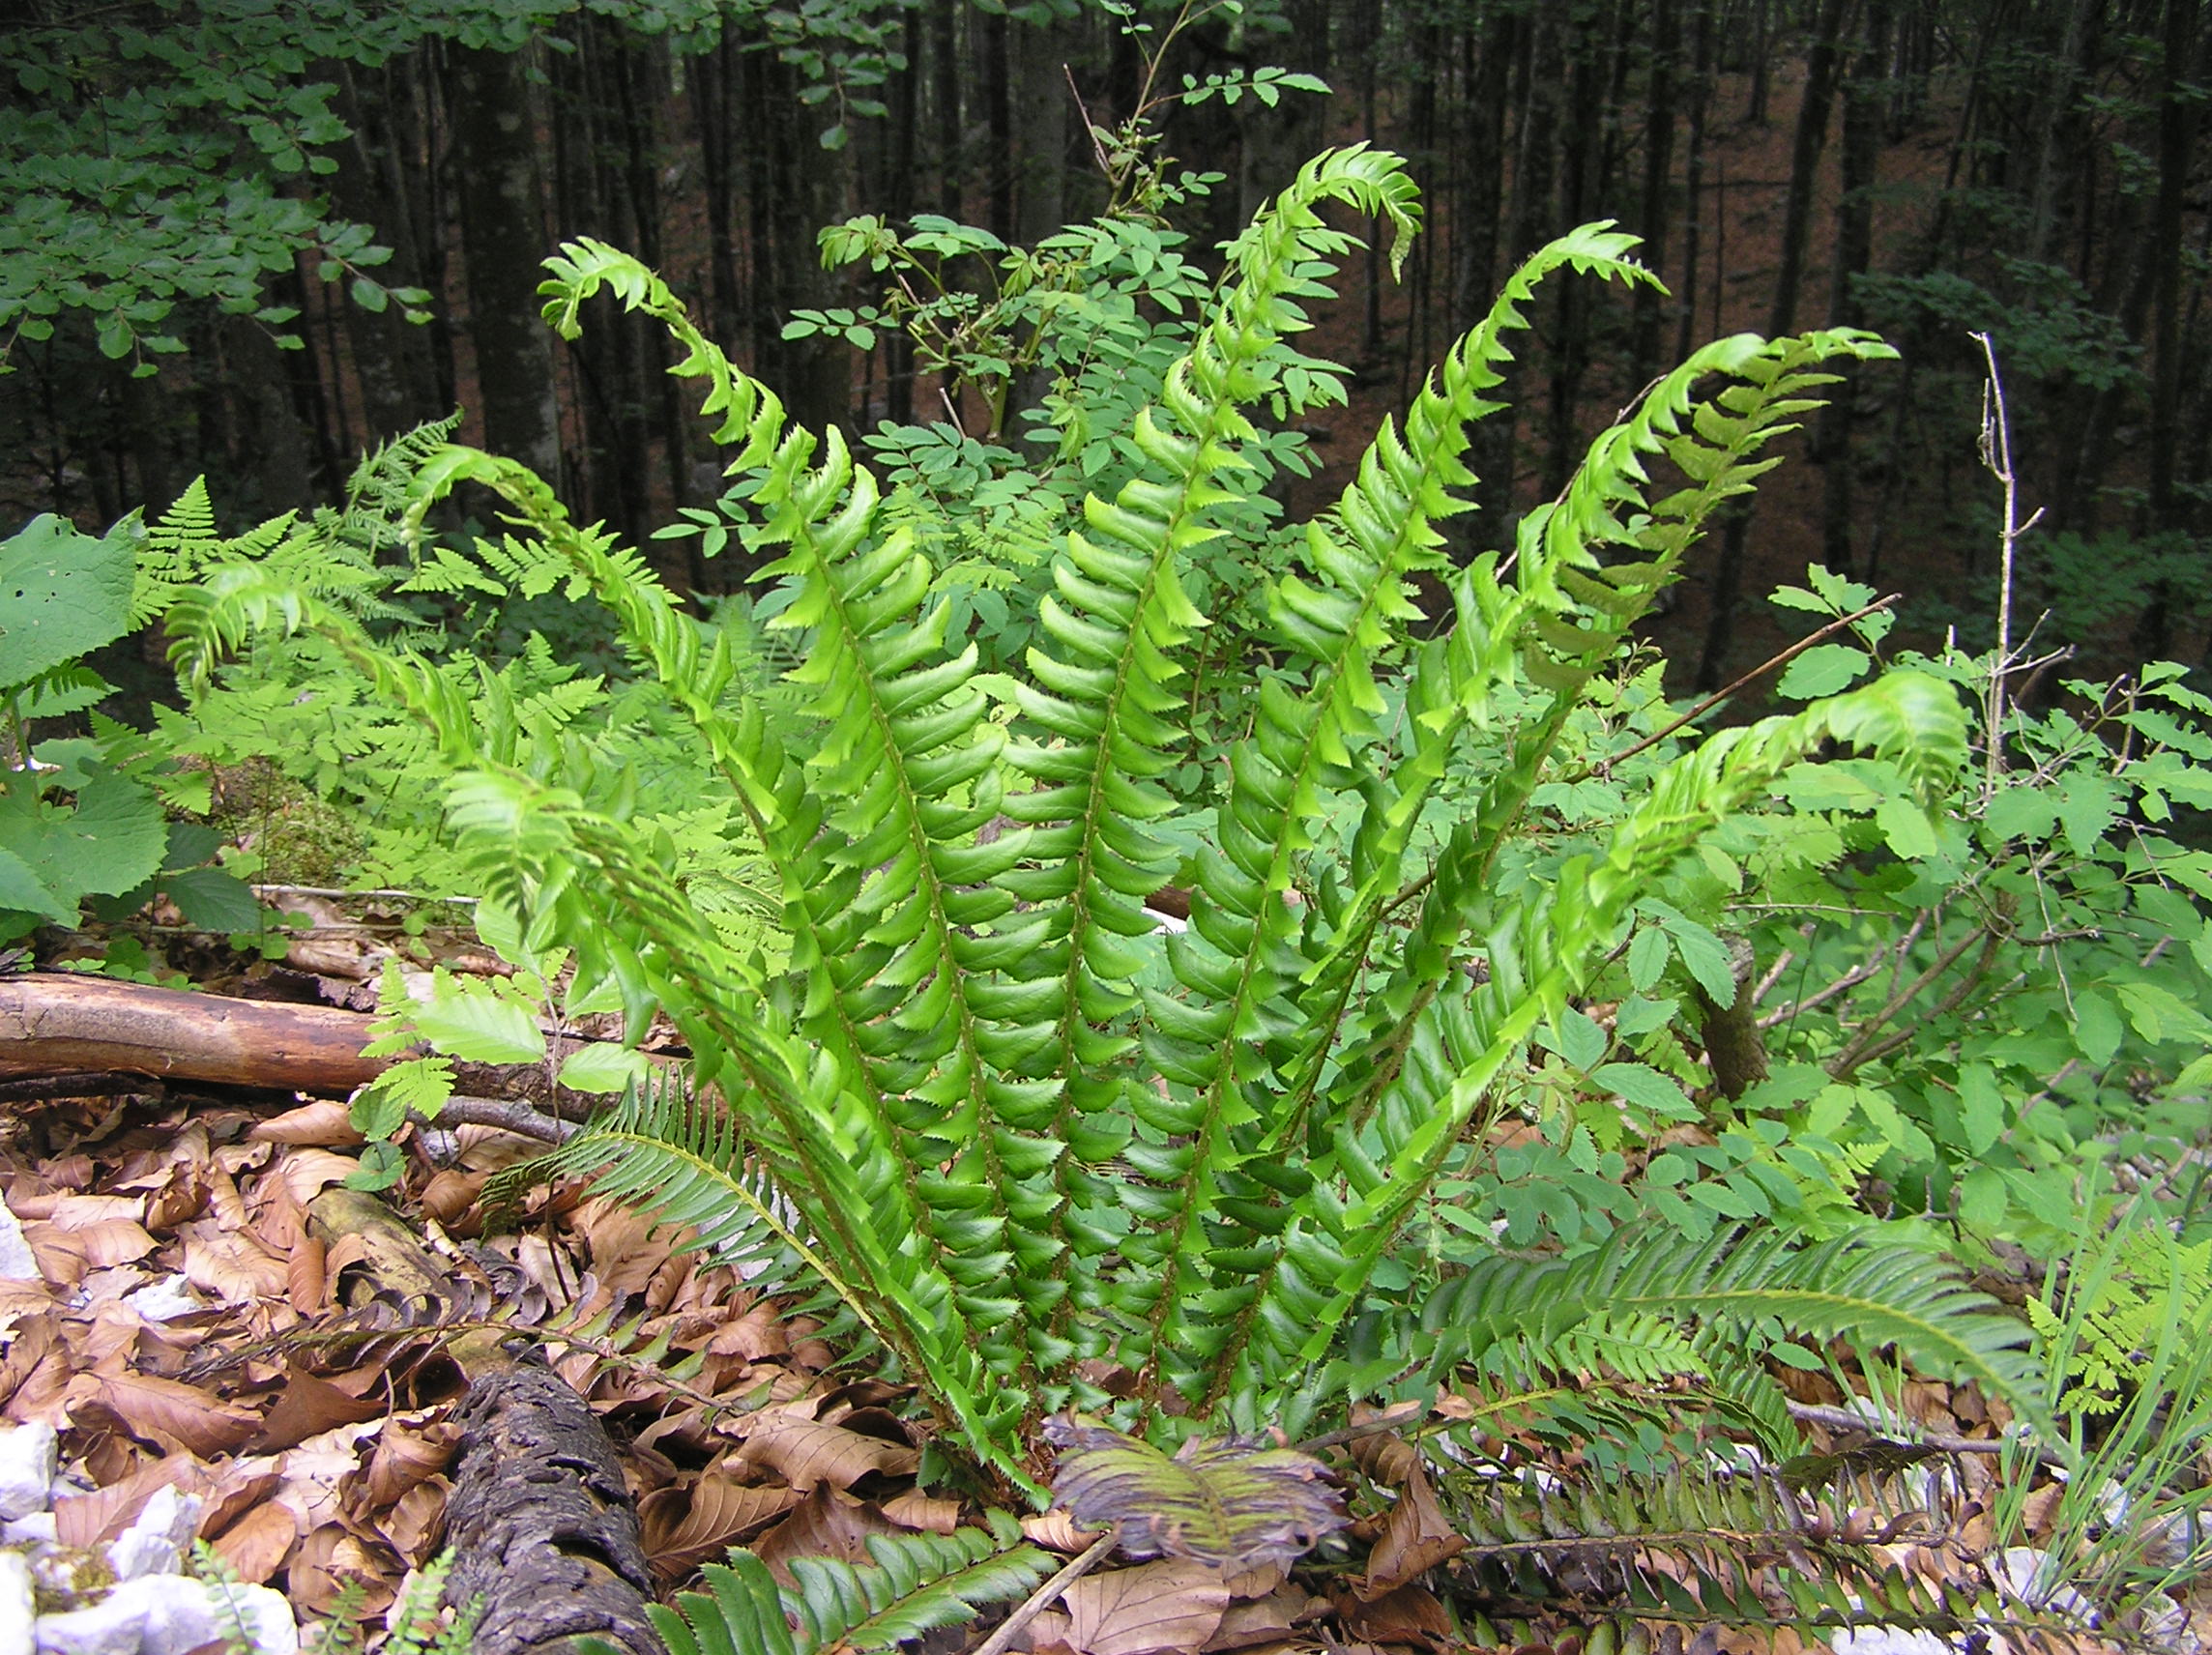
[1767, 666]
[1996, 455]
[1048, 1594]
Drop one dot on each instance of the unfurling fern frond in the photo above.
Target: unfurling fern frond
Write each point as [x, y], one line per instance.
[917, 1583]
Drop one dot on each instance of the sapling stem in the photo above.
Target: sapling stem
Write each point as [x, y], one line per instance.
[1996, 455]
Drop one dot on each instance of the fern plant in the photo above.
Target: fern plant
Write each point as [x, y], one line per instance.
[1024, 1141]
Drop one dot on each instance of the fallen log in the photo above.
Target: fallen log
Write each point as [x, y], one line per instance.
[545, 1539]
[57, 1023]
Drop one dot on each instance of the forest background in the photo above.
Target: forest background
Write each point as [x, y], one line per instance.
[246, 240]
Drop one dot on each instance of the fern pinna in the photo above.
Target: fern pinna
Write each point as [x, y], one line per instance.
[981, 1110]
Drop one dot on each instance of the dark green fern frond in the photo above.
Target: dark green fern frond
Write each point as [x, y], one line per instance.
[666, 1146]
[1875, 1293]
[916, 1583]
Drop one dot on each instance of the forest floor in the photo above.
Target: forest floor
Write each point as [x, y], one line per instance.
[214, 1310]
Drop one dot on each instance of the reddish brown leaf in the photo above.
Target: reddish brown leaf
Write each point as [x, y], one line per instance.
[310, 1406]
[1175, 1604]
[807, 1453]
[164, 1412]
[914, 1509]
[87, 1519]
[408, 1455]
[327, 1123]
[1264, 1621]
[1411, 1614]
[686, 1526]
[1416, 1537]
[257, 1544]
[827, 1523]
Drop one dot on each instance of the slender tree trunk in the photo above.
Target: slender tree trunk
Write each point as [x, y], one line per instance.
[1694, 176]
[1657, 204]
[1811, 136]
[944, 69]
[1854, 247]
[503, 236]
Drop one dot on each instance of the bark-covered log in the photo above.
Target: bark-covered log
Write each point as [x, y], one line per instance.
[59, 1024]
[541, 1524]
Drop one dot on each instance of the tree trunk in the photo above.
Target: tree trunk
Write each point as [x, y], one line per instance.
[1657, 201]
[1811, 138]
[502, 236]
[1854, 248]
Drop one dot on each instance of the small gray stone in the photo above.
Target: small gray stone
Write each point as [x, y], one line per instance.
[17, 1263]
[165, 1300]
[15, 1604]
[28, 1453]
[154, 1542]
[116, 1625]
[257, 1614]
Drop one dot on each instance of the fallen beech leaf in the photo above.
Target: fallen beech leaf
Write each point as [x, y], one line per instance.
[756, 1334]
[1229, 1504]
[1264, 1620]
[310, 1406]
[93, 1246]
[306, 1282]
[1416, 1536]
[807, 1453]
[914, 1509]
[165, 1414]
[1057, 1532]
[233, 1266]
[415, 1523]
[257, 1544]
[407, 1456]
[1411, 1614]
[329, 1557]
[87, 1519]
[240, 1487]
[88, 1211]
[449, 1196]
[307, 1173]
[684, 1526]
[326, 1123]
[827, 1523]
[1172, 1605]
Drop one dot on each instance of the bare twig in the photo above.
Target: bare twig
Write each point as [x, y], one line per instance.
[508, 1115]
[1389, 1419]
[1866, 1047]
[1767, 666]
[1943, 1441]
[1089, 128]
[1996, 455]
[1048, 1594]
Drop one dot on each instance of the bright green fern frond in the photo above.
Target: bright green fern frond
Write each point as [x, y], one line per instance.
[1539, 947]
[1102, 708]
[681, 1157]
[1240, 956]
[917, 1583]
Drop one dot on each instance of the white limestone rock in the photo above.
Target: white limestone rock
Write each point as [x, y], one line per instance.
[258, 1616]
[165, 1300]
[28, 1455]
[154, 1542]
[27, 1530]
[116, 1625]
[16, 1602]
[17, 1263]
